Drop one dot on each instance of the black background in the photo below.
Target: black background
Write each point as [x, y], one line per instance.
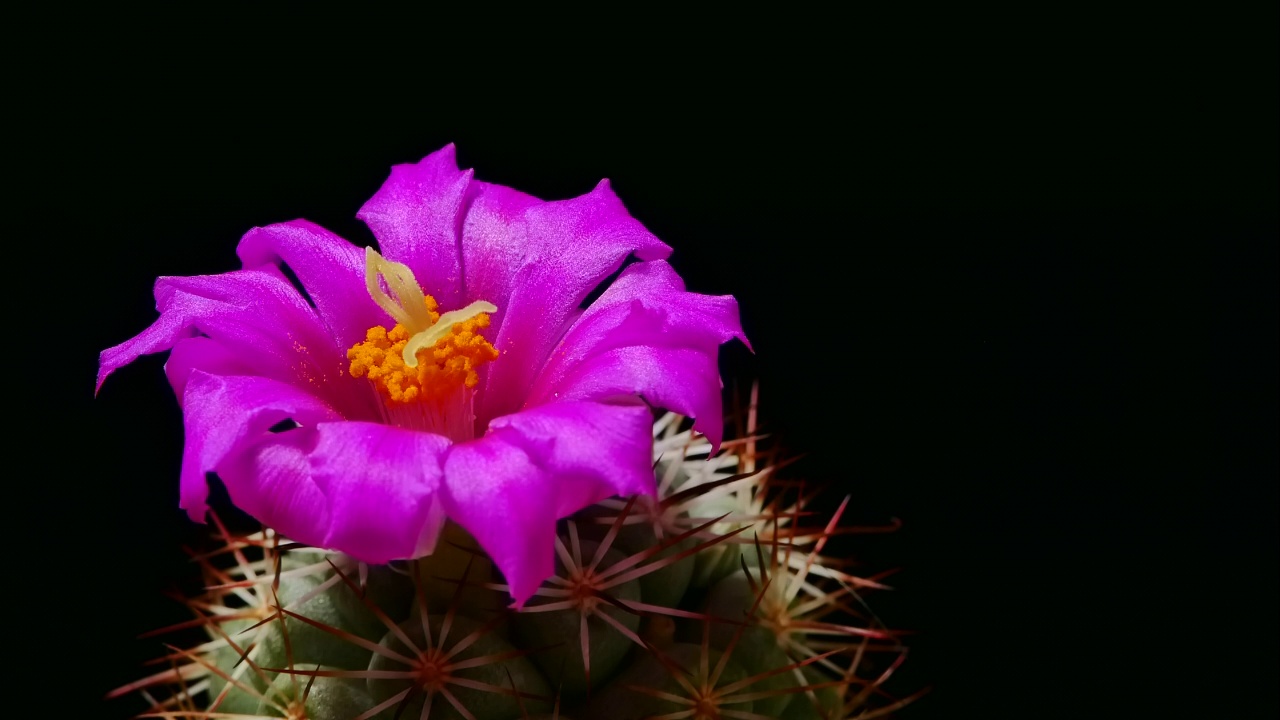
[1010, 279]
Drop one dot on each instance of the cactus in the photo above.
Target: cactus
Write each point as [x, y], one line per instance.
[712, 600]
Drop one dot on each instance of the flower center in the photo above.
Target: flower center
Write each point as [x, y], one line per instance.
[428, 357]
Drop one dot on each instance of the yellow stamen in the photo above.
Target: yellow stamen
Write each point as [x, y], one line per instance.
[427, 355]
[408, 311]
[445, 325]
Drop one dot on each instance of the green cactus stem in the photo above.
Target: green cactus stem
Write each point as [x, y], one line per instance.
[711, 600]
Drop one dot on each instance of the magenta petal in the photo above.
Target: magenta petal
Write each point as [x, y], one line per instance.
[684, 380]
[366, 489]
[596, 450]
[509, 487]
[494, 245]
[647, 336]
[226, 415]
[575, 244]
[416, 216]
[382, 485]
[255, 314]
[329, 268]
[271, 481]
[497, 492]
[200, 353]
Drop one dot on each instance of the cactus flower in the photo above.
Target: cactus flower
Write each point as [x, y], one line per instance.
[354, 399]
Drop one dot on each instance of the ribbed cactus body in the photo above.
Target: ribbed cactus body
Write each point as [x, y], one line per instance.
[711, 600]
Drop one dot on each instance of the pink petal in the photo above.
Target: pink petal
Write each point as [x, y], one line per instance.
[494, 245]
[509, 487]
[200, 353]
[574, 245]
[329, 268]
[497, 492]
[681, 379]
[299, 483]
[416, 215]
[647, 336]
[258, 317]
[382, 485]
[225, 415]
[272, 482]
[606, 449]
[366, 489]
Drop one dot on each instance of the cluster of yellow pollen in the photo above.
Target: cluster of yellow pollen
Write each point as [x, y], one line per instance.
[442, 368]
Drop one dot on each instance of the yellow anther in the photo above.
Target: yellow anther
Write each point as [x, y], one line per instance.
[427, 355]
[439, 368]
[447, 324]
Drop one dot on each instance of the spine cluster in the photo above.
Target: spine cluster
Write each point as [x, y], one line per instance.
[714, 601]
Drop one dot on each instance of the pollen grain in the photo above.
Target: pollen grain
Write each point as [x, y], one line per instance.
[443, 367]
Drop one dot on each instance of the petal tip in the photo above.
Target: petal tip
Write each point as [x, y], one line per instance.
[102, 376]
[445, 158]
